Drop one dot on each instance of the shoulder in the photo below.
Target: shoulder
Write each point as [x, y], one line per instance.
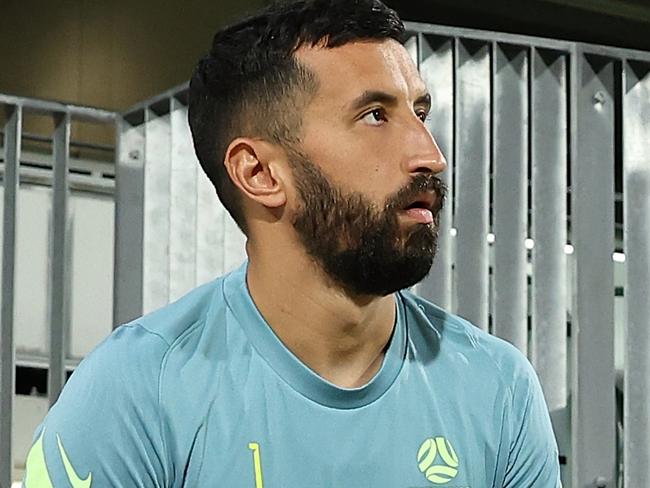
[115, 400]
[128, 365]
[457, 336]
[141, 345]
[111, 402]
[185, 314]
[122, 372]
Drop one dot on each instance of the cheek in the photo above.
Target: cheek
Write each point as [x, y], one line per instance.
[368, 165]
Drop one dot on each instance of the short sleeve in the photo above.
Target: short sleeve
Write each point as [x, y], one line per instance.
[533, 460]
[105, 428]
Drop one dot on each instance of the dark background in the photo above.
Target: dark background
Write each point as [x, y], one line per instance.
[622, 23]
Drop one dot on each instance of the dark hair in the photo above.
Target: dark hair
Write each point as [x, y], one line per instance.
[250, 83]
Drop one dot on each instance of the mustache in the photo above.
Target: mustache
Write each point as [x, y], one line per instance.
[422, 183]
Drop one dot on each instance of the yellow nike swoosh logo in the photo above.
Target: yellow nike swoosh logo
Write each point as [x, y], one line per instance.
[74, 479]
[37, 475]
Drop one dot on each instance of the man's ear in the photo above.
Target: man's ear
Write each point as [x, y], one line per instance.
[256, 167]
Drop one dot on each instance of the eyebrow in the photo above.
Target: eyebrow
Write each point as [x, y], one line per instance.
[369, 97]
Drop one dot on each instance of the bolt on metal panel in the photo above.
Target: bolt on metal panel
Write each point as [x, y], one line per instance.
[183, 197]
[156, 232]
[12, 137]
[510, 209]
[636, 167]
[549, 131]
[129, 218]
[59, 290]
[437, 71]
[593, 402]
[472, 168]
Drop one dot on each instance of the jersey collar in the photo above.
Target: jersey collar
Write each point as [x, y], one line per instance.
[297, 374]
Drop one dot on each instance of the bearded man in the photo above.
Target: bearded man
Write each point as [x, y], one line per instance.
[311, 364]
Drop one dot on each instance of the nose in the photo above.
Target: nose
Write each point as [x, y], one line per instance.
[424, 155]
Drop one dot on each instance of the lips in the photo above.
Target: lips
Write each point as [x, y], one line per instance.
[422, 215]
[422, 207]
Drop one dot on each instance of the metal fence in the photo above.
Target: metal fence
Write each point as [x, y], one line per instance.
[548, 145]
[172, 233]
[62, 117]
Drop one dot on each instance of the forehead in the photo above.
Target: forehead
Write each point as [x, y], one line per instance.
[345, 71]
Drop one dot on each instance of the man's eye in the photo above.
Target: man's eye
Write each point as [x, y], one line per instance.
[375, 117]
[424, 116]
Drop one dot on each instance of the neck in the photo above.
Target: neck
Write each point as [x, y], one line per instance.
[340, 337]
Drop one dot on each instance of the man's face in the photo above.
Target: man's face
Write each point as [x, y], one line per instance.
[367, 198]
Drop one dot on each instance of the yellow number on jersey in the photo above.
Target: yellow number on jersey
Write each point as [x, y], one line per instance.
[257, 464]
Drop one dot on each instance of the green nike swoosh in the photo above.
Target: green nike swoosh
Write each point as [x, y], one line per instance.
[74, 479]
[36, 475]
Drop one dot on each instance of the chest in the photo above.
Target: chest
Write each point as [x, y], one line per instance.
[270, 436]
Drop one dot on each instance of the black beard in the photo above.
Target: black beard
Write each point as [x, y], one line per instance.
[360, 247]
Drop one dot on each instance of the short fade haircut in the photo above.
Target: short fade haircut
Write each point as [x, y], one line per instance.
[250, 84]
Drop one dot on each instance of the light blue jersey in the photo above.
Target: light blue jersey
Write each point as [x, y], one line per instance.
[203, 394]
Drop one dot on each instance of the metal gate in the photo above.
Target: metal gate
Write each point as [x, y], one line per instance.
[60, 178]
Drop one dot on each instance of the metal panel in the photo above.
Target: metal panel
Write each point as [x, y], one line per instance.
[12, 136]
[129, 216]
[235, 245]
[437, 71]
[33, 266]
[592, 230]
[156, 232]
[183, 195]
[549, 129]
[91, 269]
[472, 179]
[210, 232]
[59, 322]
[636, 166]
[510, 219]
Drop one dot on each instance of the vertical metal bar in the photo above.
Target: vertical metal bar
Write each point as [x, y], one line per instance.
[510, 211]
[437, 70]
[549, 290]
[549, 213]
[12, 138]
[592, 232]
[472, 180]
[636, 192]
[157, 181]
[129, 218]
[210, 231]
[183, 190]
[59, 292]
